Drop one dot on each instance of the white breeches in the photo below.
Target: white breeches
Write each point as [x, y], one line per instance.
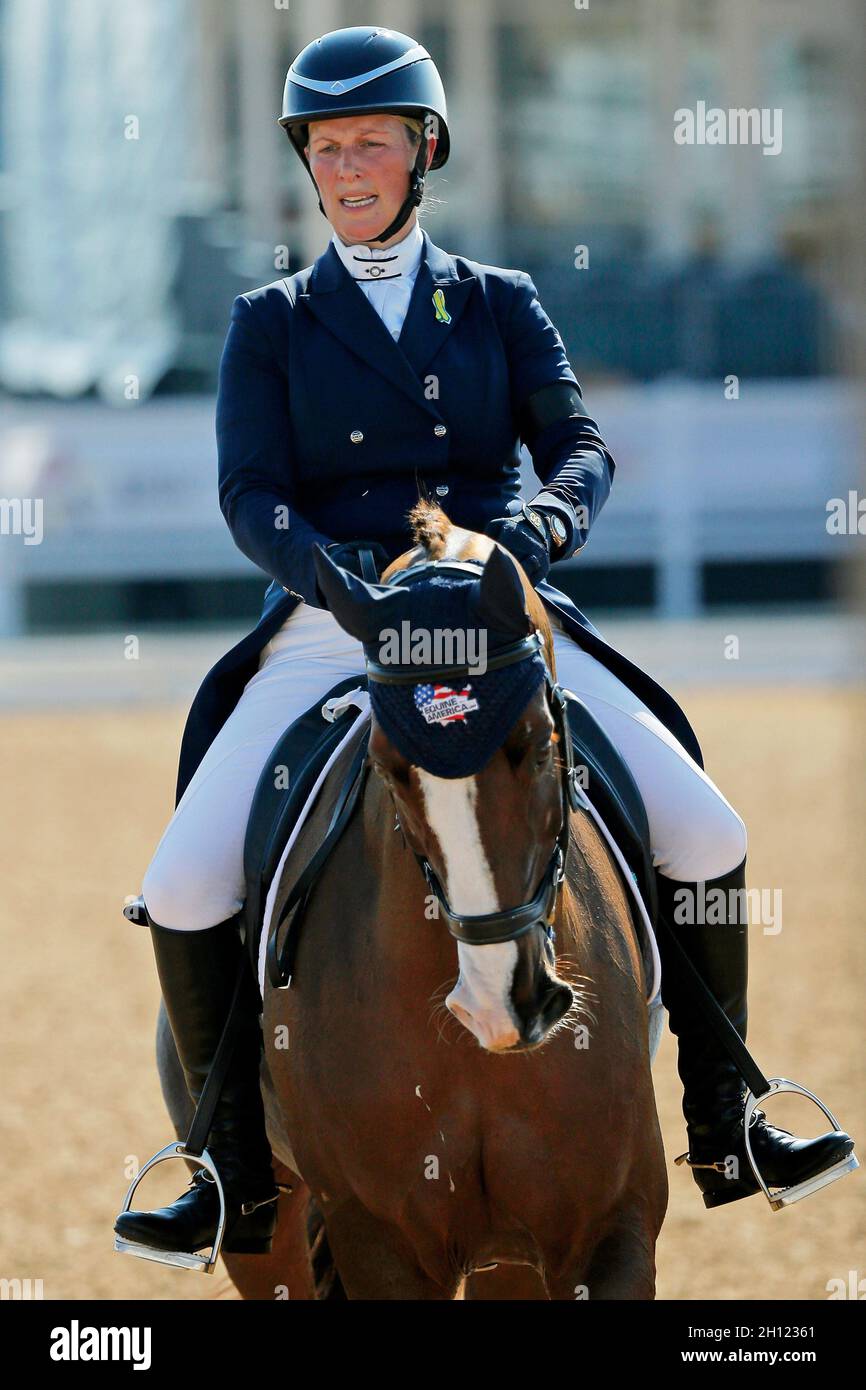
[195, 878]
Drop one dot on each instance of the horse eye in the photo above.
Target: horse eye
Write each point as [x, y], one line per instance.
[389, 774]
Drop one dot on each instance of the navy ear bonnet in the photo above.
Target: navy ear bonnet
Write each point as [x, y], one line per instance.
[451, 727]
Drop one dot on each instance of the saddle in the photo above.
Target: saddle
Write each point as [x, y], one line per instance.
[306, 746]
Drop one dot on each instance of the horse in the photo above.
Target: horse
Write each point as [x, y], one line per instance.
[476, 1122]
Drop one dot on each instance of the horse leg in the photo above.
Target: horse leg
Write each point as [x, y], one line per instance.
[374, 1261]
[621, 1266]
[505, 1282]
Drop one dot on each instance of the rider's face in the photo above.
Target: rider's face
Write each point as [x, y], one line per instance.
[359, 158]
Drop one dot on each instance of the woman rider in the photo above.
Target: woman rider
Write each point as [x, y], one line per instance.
[388, 370]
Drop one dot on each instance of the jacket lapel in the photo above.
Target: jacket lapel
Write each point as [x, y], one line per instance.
[342, 307]
[427, 327]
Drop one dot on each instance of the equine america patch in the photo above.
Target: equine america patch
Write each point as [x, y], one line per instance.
[440, 704]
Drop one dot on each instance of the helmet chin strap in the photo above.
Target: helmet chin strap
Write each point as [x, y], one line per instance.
[414, 196]
[412, 199]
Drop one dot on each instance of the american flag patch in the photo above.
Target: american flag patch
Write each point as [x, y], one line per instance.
[440, 704]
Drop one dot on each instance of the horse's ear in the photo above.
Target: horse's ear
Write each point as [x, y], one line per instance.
[499, 597]
[360, 608]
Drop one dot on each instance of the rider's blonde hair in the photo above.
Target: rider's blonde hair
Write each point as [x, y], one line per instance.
[414, 125]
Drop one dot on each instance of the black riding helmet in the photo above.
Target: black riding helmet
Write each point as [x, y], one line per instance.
[351, 71]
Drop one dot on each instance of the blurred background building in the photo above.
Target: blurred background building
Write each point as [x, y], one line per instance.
[144, 183]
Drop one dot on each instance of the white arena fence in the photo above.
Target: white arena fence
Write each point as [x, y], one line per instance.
[92, 493]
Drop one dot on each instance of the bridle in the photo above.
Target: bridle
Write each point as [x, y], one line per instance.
[489, 928]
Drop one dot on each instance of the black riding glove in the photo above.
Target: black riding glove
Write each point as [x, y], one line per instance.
[529, 543]
[347, 554]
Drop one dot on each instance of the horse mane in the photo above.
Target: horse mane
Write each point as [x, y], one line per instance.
[430, 528]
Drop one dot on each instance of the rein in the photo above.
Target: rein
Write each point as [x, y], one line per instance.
[490, 928]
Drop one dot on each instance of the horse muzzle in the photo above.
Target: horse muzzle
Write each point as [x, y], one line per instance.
[506, 995]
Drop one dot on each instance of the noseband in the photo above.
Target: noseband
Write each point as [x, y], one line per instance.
[490, 928]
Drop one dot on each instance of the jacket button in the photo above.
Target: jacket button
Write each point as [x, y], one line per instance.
[357, 436]
[439, 430]
[442, 490]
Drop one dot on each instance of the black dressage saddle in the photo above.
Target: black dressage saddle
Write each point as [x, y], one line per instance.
[301, 752]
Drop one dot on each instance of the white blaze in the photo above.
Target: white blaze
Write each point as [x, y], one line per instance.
[481, 999]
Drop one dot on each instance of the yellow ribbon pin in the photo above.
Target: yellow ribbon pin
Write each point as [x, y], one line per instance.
[442, 314]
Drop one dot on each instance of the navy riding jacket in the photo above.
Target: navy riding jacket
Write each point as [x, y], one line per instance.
[330, 430]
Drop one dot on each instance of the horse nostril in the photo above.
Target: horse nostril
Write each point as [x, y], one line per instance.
[462, 1015]
[557, 996]
[551, 1009]
[562, 997]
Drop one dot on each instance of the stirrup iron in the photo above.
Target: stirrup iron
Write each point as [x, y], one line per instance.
[182, 1259]
[784, 1196]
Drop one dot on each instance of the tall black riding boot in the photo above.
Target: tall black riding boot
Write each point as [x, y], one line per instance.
[197, 972]
[710, 921]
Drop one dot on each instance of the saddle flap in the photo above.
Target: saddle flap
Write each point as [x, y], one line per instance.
[605, 777]
[608, 782]
[284, 785]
